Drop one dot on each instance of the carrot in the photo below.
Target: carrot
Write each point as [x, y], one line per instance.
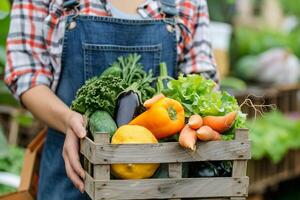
[188, 138]
[205, 133]
[153, 100]
[195, 122]
[217, 136]
[220, 123]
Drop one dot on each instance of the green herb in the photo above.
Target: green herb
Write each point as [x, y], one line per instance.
[273, 135]
[133, 74]
[98, 93]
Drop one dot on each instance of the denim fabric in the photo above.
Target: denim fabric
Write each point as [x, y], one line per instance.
[89, 48]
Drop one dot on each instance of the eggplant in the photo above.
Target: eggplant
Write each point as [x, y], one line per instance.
[210, 169]
[129, 106]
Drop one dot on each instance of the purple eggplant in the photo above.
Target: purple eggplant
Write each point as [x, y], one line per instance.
[129, 106]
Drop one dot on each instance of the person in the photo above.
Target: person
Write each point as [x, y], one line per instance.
[53, 46]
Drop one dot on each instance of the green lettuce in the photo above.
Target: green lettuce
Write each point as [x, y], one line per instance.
[199, 96]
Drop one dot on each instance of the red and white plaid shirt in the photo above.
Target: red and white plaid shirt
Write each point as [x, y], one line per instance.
[34, 43]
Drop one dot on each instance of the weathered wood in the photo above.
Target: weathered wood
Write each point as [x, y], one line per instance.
[89, 186]
[175, 171]
[240, 167]
[99, 186]
[171, 188]
[164, 152]
[101, 172]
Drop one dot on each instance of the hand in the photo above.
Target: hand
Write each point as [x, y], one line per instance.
[74, 130]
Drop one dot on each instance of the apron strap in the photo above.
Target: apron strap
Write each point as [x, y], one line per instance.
[168, 7]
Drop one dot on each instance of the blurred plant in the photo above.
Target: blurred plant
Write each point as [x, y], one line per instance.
[291, 7]
[249, 41]
[3, 143]
[4, 8]
[221, 11]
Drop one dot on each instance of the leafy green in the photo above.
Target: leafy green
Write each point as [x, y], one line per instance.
[132, 72]
[98, 93]
[12, 162]
[101, 93]
[273, 135]
[198, 96]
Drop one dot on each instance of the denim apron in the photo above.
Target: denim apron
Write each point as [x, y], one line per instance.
[91, 43]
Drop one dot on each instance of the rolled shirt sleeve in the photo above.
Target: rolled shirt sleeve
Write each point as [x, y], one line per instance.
[28, 62]
[198, 56]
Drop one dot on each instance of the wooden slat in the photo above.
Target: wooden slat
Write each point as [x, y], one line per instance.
[101, 172]
[164, 152]
[175, 171]
[171, 188]
[89, 186]
[240, 167]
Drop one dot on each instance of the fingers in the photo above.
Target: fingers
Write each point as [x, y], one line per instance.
[73, 157]
[77, 125]
[73, 167]
[78, 183]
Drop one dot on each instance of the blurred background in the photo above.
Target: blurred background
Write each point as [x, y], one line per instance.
[257, 48]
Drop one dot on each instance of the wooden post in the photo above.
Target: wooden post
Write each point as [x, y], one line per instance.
[175, 171]
[101, 172]
[240, 167]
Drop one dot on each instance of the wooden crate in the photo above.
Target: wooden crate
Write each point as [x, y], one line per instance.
[285, 99]
[263, 173]
[100, 154]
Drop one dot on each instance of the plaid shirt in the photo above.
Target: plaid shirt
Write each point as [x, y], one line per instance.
[34, 43]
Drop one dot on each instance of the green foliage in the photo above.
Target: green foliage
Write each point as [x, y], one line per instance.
[131, 71]
[25, 119]
[13, 161]
[6, 97]
[273, 135]
[197, 95]
[4, 189]
[4, 8]
[101, 93]
[248, 41]
[3, 143]
[98, 93]
[291, 7]
[221, 10]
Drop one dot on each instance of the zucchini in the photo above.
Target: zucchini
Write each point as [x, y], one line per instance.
[102, 122]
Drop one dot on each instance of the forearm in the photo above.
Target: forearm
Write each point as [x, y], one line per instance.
[47, 107]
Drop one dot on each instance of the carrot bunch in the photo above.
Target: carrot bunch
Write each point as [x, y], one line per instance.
[208, 128]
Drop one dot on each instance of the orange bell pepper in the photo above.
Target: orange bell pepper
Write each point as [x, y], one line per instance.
[164, 118]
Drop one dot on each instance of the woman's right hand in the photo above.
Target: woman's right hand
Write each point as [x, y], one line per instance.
[74, 131]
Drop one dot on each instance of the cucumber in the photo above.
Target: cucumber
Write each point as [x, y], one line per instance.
[102, 122]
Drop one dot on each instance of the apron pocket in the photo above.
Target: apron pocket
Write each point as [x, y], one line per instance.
[99, 57]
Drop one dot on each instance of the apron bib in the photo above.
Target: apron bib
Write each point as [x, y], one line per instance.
[91, 44]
